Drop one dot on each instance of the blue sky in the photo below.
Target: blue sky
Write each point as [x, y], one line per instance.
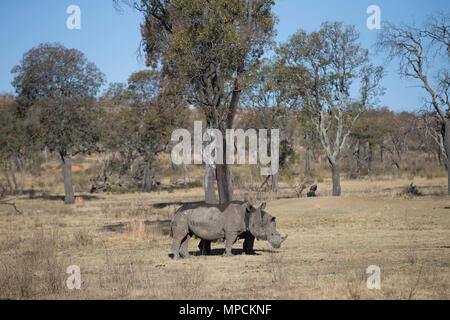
[111, 39]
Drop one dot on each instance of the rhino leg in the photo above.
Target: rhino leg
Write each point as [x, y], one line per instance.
[176, 247]
[205, 247]
[184, 247]
[230, 239]
[248, 243]
[180, 232]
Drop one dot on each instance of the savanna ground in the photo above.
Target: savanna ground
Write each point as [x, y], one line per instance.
[122, 245]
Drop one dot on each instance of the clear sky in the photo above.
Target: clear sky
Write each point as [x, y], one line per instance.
[111, 39]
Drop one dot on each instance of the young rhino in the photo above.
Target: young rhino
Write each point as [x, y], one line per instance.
[270, 232]
[225, 222]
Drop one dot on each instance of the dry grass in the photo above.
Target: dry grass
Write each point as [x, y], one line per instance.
[122, 245]
[34, 271]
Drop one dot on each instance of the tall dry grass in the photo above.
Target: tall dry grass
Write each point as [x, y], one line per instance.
[35, 271]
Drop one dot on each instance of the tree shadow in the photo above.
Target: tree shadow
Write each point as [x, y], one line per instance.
[163, 226]
[162, 205]
[33, 194]
[116, 227]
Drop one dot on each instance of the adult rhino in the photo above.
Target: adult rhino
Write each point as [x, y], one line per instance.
[223, 222]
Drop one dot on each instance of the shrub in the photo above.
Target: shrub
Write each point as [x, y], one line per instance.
[411, 191]
[194, 184]
[117, 190]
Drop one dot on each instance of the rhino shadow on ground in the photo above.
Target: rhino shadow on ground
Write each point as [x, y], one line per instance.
[221, 251]
[33, 194]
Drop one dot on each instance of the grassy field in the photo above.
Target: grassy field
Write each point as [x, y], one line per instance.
[122, 245]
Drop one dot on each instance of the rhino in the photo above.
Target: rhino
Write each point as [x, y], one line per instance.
[223, 222]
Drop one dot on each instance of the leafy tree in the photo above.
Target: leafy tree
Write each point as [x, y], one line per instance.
[142, 115]
[59, 85]
[210, 45]
[7, 133]
[17, 142]
[157, 109]
[324, 64]
[371, 130]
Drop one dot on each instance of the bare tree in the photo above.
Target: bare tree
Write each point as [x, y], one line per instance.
[435, 130]
[418, 50]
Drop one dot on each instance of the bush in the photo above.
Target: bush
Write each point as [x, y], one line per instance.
[411, 191]
[320, 178]
[194, 184]
[81, 181]
[117, 190]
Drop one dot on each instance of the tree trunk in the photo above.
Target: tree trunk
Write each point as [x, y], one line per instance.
[438, 155]
[408, 158]
[357, 154]
[186, 177]
[447, 150]
[370, 158]
[307, 156]
[132, 168]
[210, 197]
[335, 178]
[45, 153]
[12, 166]
[224, 184]
[381, 153]
[135, 166]
[5, 172]
[307, 161]
[36, 171]
[275, 182]
[210, 194]
[147, 181]
[69, 196]
[23, 170]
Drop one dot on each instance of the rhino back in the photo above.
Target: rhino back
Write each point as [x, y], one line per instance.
[222, 206]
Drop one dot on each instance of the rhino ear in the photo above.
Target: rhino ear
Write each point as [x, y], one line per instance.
[263, 206]
[248, 207]
[273, 219]
[256, 225]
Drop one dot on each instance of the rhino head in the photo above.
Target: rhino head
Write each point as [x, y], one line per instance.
[263, 226]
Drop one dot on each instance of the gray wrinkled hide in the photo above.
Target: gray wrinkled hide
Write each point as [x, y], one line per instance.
[225, 222]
